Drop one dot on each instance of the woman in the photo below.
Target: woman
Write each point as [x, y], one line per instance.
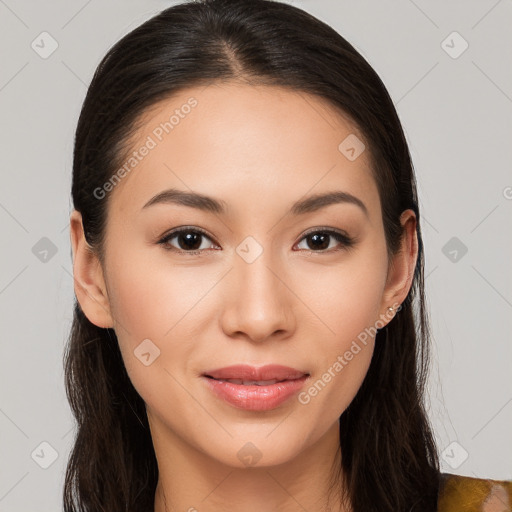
[247, 259]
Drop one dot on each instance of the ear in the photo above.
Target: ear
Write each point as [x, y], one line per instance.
[401, 268]
[88, 279]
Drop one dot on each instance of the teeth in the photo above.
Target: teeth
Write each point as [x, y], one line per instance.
[250, 382]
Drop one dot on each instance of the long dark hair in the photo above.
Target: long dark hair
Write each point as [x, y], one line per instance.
[389, 457]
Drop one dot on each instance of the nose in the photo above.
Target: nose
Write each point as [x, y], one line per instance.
[259, 304]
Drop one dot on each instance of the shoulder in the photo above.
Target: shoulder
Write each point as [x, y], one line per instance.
[459, 493]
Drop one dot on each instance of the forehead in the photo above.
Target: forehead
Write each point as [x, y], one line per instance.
[250, 146]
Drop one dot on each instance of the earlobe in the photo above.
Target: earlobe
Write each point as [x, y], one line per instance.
[401, 270]
[89, 284]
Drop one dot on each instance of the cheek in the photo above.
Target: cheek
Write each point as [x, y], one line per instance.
[349, 309]
[150, 310]
[160, 311]
[332, 390]
[343, 357]
[151, 299]
[346, 297]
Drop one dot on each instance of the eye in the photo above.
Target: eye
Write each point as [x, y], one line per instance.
[320, 239]
[188, 240]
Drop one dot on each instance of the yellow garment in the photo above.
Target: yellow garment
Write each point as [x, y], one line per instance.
[467, 494]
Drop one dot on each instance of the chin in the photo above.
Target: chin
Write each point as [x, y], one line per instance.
[256, 452]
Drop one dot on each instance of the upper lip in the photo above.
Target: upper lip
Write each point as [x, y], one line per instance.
[247, 372]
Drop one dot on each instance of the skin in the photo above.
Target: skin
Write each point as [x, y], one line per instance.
[259, 149]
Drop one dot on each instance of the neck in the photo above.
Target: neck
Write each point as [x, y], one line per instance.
[191, 481]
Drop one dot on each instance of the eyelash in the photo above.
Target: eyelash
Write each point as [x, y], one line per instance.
[346, 241]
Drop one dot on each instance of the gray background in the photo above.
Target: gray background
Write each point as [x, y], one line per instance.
[457, 115]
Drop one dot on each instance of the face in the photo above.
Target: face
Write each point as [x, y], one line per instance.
[260, 274]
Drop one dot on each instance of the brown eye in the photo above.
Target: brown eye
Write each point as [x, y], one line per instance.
[188, 240]
[320, 240]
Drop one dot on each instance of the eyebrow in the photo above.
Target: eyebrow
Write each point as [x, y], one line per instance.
[212, 205]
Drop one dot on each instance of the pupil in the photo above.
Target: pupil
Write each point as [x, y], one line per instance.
[190, 240]
[322, 236]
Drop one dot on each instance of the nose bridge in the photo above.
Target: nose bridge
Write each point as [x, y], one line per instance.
[261, 304]
[258, 278]
[256, 275]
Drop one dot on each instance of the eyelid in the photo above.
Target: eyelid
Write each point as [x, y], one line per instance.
[324, 229]
[179, 229]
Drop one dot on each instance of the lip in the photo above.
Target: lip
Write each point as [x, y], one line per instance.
[247, 372]
[254, 397]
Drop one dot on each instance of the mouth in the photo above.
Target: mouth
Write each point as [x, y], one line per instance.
[259, 376]
[255, 389]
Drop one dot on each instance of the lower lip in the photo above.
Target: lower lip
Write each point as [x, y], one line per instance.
[256, 398]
